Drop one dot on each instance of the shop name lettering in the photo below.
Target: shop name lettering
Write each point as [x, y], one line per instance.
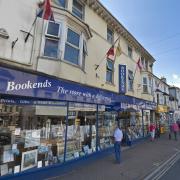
[62, 90]
[11, 86]
[122, 79]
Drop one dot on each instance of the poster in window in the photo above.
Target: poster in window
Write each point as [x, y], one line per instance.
[29, 159]
[32, 138]
[4, 169]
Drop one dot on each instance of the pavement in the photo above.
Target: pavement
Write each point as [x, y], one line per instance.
[139, 162]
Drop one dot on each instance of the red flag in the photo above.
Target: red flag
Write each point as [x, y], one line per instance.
[45, 11]
[139, 65]
[110, 52]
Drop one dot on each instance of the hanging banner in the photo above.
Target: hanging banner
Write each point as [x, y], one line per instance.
[122, 79]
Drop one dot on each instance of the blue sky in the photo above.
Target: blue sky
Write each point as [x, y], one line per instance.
[156, 25]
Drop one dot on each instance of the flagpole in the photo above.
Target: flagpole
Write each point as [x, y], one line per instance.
[97, 65]
[28, 34]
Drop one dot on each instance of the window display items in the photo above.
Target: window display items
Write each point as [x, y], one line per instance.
[29, 160]
[32, 138]
[17, 131]
[4, 169]
[16, 169]
[8, 156]
[42, 149]
[39, 164]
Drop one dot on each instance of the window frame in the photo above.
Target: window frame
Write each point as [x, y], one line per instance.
[130, 52]
[52, 37]
[65, 4]
[145, 85]
[110, 40]
[83, 9]
[130, 80]
[146, 64]
[73, 46]
[110, 70]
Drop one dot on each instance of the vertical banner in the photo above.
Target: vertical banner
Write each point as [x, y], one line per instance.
[122, 79]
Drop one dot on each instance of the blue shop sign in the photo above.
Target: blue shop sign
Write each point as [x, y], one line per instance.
[122, 79]
[18, 83]
[13, 82]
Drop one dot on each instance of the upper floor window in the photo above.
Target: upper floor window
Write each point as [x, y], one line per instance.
[110, 36]
[157, 98]
[52, 38]
[165, 102]
[130, 80]
[61, 3]
[72, 49]
[151, 85]
[143, 62]
[109, 71]
[62, 42]
[78, 9]
[145, 85]
[146, 65]
[129, 51]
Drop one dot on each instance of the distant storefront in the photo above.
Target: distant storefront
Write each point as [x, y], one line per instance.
[46, 121]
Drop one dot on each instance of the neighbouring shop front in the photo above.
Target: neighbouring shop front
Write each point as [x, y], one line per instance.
[163, 117]
[47, 122]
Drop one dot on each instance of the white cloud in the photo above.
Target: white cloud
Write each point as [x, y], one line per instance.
[175, 76]
[175, 81]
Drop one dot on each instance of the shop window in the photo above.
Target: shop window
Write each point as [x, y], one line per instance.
[60, 3]
[106, 126]
[78, 9]
[32, 136]
[52, 38]
[72, 49]
[129, 51]
[81, 132]
[109, 71]
[130, 80]
[145, 85]
[110, 36]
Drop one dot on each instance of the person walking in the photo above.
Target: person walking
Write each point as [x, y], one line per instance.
[118, 135]
[175, 129]
[152, 129]
[170, 131]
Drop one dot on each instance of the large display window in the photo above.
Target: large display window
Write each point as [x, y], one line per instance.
[31, 136]
[106, 127]
[81, 130]
[132, 126]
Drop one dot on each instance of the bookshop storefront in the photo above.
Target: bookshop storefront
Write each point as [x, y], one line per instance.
[46, 122]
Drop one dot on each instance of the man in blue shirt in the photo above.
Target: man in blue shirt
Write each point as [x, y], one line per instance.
[118, 135]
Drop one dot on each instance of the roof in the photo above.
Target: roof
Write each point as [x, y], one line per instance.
[102, 11]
